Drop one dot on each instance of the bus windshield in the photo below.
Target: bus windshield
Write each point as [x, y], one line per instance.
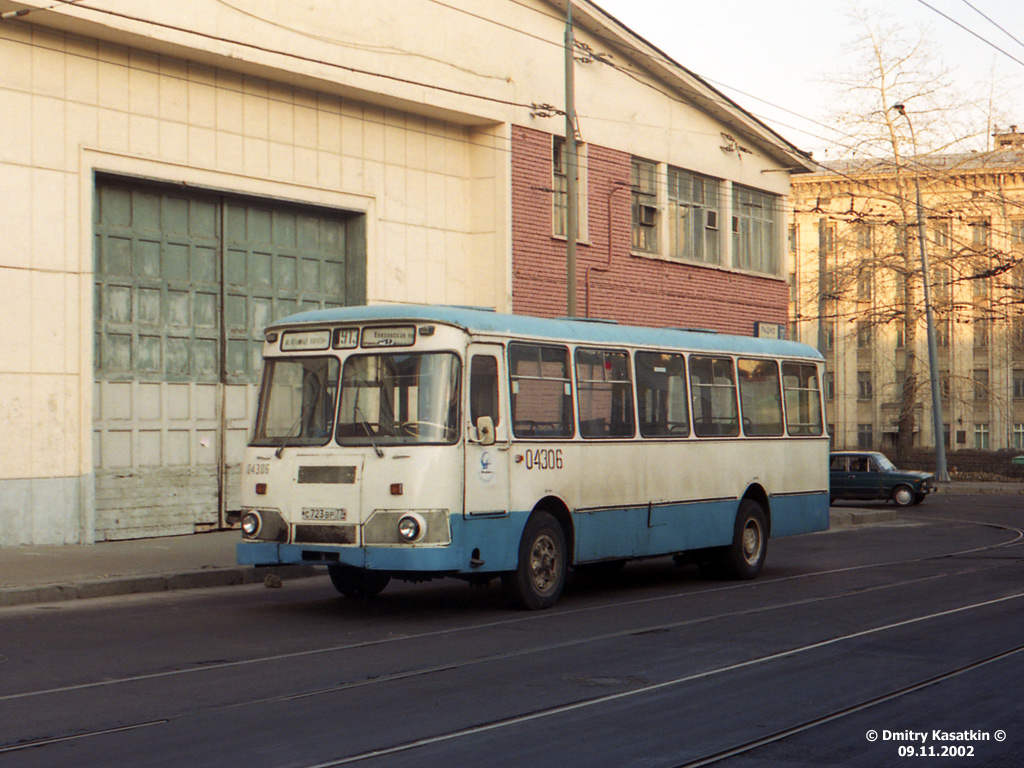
[399, 399]
[297, 402]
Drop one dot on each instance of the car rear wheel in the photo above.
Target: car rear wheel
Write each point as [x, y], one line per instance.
[903, 495]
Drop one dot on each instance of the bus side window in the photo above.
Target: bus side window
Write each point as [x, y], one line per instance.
[483, 388]
[715, 413]
[541, 391]
[803, 399]
[661, 393]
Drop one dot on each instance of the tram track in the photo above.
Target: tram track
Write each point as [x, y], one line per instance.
[535, 617]
[657, 687]
[540, 617]
[989, 565]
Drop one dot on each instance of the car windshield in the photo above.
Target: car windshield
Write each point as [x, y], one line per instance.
[297, 401]
[884, 464]
[399, 399]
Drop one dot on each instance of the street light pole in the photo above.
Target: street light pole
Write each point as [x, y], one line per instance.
[941, 473]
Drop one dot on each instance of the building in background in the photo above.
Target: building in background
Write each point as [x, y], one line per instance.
[853, 240]
[177, 175]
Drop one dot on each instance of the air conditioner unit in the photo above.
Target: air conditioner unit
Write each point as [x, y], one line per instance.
[648, 215]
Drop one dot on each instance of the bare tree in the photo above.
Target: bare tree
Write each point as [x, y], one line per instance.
[876, 234]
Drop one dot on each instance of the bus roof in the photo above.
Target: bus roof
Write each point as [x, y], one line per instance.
[562, 329]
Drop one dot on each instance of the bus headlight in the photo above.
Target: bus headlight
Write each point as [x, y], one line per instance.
[251, 524]
[411, 528]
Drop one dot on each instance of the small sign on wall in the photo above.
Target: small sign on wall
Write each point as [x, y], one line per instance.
[769, 330]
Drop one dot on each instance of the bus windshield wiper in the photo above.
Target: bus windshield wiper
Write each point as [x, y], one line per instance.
[369, 433]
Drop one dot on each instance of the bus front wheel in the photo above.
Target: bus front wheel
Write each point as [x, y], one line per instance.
[538, 580]
[357, 582]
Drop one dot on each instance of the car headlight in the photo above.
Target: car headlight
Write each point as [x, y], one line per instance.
[411, 528]
[251, 524]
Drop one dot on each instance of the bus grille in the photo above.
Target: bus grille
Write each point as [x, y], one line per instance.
[324, 534]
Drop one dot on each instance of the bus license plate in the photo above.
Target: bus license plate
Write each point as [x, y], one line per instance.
[322, 513]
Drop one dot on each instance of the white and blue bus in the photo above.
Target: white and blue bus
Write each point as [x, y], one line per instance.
[415, 442]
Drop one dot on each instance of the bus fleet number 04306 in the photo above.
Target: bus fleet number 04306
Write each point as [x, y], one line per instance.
[544, 458]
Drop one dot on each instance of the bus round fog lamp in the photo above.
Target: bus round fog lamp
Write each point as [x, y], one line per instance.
[411, 528]
[251, 524]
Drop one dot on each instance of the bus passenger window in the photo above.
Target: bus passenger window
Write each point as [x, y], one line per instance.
[803, 398]
[605, 393]
[541, 391]
[483, 388]
[714, 397]
[760, 397]
[661, 394]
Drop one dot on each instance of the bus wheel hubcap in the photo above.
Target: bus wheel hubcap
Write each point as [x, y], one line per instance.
[751, 542]
[544, 563]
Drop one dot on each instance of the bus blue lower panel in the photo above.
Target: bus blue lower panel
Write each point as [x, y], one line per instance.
[799, 513]
[493, 542]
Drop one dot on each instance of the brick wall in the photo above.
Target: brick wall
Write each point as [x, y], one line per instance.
[611, 283]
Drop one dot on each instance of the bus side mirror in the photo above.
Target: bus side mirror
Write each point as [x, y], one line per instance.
[485, 430]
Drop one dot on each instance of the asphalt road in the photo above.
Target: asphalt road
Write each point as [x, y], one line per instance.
[892, 630]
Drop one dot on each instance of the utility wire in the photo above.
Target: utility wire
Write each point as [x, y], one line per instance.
[661, 58]
[970, 31]
[994, 23]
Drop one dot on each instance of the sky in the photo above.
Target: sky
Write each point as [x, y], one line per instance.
[775, 58]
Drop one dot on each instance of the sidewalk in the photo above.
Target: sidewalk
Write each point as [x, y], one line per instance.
[50, 574]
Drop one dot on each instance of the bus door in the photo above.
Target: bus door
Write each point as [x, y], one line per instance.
[487, 434]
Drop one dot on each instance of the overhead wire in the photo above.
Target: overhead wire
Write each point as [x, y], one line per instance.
[659, 56]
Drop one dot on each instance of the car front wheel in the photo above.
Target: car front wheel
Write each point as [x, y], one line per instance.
[902, 496]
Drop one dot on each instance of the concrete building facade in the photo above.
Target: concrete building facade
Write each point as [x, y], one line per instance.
[177, 175]
[853, 241]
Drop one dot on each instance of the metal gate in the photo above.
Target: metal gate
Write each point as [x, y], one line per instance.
[185, 283]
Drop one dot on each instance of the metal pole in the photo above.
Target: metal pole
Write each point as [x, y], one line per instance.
[941, 473]
[572, 191]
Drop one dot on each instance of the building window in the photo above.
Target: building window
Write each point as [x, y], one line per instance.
[901, 336]
[863, 335]
[693, 216]
[792, 289]
[1017, 232]
[980, 325]
[980, 233]
[830, 337]
[643, 177]
[942, 332]
[865, 389]
[560, 189]
[980, 377]
[862, 233]
[940, 286]
[560, 186]
[865, 437]
[792, 238]
[829, 384]
[945, 386]
[1017, 334]
[1018, 385]
[754, 216]
[1018, 436]
[981, 437]
[980, 283]
[864, 286]
[940, 234]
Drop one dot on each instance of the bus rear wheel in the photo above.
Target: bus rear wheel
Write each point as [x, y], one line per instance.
[356, 582]
[744, 557]
[540, 576]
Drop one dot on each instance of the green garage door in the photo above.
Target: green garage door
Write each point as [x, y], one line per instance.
[185, 284]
